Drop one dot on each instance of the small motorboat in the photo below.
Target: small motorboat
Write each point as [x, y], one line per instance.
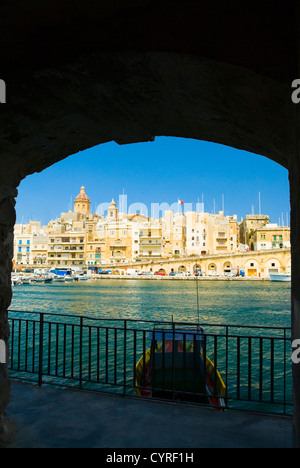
[81, 278]
[69, 278]
[26, 280]
[59, 279]
[16, 281]
[43, 279]
[281, 277]
[176, 368]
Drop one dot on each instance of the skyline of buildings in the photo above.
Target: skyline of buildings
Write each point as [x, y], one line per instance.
[80, 238]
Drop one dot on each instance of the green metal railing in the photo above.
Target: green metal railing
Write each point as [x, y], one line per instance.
[100, 355]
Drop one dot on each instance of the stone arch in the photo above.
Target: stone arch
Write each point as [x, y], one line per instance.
[252, 268]
[182, 269]
[83, 93]
[273, 265]
[162, 271]
[197, 267]
[227, 267]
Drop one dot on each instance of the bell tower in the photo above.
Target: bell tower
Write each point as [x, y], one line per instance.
[82, 203]
[112, 212]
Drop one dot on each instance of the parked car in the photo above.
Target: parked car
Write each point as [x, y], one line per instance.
[160, 273]
[213, 273]
[172, 273]
[148, 273]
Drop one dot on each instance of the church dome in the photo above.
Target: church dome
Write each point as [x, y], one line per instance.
[82, 196]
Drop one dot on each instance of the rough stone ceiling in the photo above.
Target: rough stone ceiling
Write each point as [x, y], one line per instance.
[80, 73]
[259, 35]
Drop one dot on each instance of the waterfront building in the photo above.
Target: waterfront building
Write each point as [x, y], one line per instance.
[173, 234]
[249, 225]
[117, 239]
[270, 237]
[81, 239]
[30, 244]
[210, 234]
[150, 239]
[197, 239]
[67, 247]
[222, 233]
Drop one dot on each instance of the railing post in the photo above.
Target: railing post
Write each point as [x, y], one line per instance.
[80, 352]
[41, 352]
[125, 356]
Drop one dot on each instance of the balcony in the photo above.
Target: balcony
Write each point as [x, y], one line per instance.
[150, 243]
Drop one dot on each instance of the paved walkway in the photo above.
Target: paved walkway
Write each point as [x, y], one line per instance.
[50, 418]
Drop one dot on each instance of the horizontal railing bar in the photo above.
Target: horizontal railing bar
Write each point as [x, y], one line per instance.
[152, 321]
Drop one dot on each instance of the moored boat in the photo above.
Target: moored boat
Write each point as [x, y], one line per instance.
[69, 278]
[81, 278]
[26, 280]
[280, 277]
[43, 279]
[176, 367]
[59, 279]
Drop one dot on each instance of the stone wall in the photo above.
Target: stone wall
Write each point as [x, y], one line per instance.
[7, 221]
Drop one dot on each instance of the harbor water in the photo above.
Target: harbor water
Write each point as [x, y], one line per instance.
[220, 302]
[254, 362]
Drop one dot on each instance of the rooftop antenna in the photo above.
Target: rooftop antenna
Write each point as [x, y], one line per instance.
[214, 206]
[223, 204]
[259, 203]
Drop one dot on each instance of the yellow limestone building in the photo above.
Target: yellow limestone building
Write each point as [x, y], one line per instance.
[81, 239]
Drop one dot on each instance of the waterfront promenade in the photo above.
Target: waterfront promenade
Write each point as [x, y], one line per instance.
[51, 418]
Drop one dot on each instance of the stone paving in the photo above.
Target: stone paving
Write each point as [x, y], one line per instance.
[51, 418]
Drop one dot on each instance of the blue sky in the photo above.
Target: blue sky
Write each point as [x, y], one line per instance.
[162, 171]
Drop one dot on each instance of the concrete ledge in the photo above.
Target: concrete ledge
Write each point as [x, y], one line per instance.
[51, 418]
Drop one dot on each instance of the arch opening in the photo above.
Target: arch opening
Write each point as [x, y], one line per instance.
[212, 123]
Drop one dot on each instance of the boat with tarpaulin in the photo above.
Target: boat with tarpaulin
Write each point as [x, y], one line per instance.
[176, 367]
